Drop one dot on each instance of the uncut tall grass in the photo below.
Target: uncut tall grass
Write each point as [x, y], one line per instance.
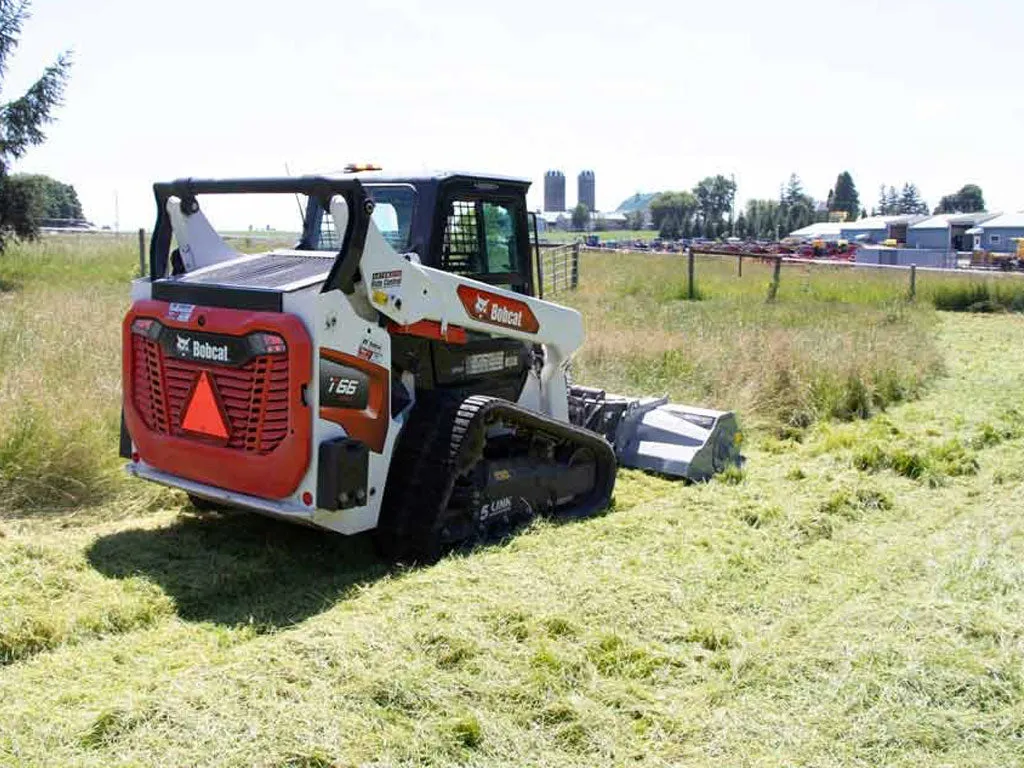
[61, 305]
[832, 345]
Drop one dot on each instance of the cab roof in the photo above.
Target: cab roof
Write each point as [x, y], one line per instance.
[384, 176]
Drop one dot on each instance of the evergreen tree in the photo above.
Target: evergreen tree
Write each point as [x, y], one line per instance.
[910, 202]
[740, 230]
[846, 197]
[797, 207]
[22, 121]
[794, 190]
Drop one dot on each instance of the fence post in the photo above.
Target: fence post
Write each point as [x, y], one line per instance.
[575, 266]
[689, 274]
[913, 281]
[142, 253]
[739, 265]
[540, 272]
[773, 289]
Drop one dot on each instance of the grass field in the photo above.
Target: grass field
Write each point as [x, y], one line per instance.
[619, 235]
[854, 597]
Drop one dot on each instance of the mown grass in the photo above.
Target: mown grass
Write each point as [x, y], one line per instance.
[827, 605]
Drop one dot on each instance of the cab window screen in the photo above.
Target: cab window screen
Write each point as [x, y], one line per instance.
[480, 239]
[462, 253]
[500, 230]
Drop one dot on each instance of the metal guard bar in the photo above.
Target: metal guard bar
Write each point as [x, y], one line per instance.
[346, 265]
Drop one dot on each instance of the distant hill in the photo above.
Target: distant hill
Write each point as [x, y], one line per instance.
[638, 202]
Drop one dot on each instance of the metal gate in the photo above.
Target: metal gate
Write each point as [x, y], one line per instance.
[558, 269]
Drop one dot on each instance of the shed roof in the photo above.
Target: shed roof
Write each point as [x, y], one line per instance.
[821, 229]
[872, 222]
[945, 220]
[882, 222]
[1006, 221]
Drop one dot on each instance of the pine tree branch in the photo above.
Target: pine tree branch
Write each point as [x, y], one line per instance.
[22, 120]
[12, 15]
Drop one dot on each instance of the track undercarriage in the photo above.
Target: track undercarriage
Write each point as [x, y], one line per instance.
[472, 469]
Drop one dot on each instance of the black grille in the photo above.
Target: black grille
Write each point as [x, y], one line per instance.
[461, 253]
[254, 396]
[271, 270]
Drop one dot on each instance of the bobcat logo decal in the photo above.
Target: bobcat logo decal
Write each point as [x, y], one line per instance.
[497, 309]
[183, 343]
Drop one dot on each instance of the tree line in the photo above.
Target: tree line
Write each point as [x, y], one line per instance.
[708, 210]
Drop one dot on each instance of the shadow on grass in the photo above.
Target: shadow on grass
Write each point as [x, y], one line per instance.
[6, 286]
[236, 568]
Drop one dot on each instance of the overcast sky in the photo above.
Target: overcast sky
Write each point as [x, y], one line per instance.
[650, 95]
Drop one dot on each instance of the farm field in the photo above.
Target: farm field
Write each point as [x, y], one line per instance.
[619, 235]
[854, 596]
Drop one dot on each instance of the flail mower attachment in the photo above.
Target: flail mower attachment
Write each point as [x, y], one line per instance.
[653, 434]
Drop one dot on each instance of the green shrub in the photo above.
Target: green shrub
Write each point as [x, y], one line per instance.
[993, 296]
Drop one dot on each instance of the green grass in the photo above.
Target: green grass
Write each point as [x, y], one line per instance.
[995, 294]
[832, 344]
[77, 263]
[59, 370]
[618, 235]
[853, 596]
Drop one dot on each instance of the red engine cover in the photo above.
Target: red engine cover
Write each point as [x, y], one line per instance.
[267, 449]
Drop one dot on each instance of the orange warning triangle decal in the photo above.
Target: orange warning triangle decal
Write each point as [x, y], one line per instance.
[202, 414]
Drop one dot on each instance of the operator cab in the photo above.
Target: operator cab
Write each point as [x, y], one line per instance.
[470, 225]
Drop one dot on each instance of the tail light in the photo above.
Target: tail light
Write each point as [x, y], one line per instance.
[146, 326]
[267, 344]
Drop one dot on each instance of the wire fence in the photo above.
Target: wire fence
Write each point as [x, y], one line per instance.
[772, 278]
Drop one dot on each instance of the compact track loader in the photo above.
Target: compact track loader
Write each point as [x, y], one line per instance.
[393, 371]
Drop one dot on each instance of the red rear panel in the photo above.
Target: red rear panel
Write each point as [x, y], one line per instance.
[257, 384]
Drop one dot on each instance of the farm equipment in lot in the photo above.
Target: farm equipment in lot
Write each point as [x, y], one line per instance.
[1000, 260]
[393, 371]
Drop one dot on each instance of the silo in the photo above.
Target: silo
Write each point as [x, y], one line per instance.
[554, 191]
[585, 187]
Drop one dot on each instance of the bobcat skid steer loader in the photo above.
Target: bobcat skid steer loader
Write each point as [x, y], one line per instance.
[392, 371]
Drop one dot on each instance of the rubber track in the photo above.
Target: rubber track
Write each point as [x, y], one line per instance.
[444, 437]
